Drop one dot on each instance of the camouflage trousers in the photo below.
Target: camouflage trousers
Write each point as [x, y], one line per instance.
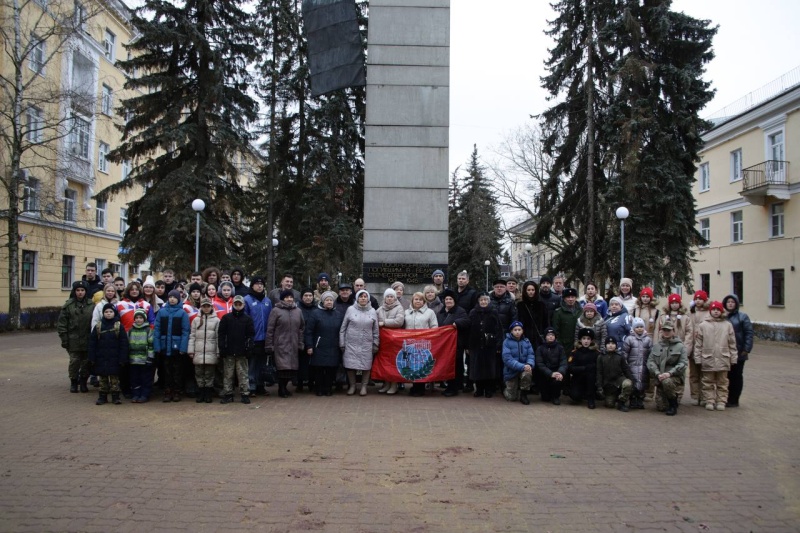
[236, 367]
[621, 393]
[513, 386]
[78, 365]
[695, 380]
[669, 389]
[204, 375]
[108, 384]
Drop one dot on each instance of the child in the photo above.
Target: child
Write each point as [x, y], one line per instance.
[667, 365]
[647, 309]
[614, 377]
[715, 350]
[699, 312]
[518, 364]
[551, 367]
[170, 342]
[682, 323]
[591, 318]
[204, 349]
[141, 357]
[582, 368]
[635, 349]
[236, 333]
[108, 353]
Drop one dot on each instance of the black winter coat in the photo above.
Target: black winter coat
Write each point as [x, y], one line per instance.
[236, 334]
[742, 327]
[551, 302]
[467, 299]
[583, 361]
[533, 315]
[506, 309]
[485, 341]
[458, 316]
[322, 334]
[108, 351]
[551, 357]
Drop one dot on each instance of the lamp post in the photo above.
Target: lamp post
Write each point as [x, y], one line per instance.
[198, 205]
[338, 280]
[528, 248]
[622, 214]
[275, 243]
[486, 264]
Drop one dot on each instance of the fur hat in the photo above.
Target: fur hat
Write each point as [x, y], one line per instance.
[110, 306]
[449, 292]
[586, 332]
[611, 340]
[285, 293]
[569, 291]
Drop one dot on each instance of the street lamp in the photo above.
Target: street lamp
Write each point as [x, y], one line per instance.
[338, 279]
[274, 246]
[528, 248]
[198, 205]
[486, 264]
[622, 214]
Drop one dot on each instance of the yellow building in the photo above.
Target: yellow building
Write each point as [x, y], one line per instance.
[77, 88]
[528, 263]
[748, 207]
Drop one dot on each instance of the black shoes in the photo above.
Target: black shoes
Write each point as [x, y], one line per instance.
[523, 398]
[591, 404]
[672, 410]
[102, 399]
[621, 406]
[556, 401]
[73, 385]
[227, 399]
[115, 398]
[245, 400]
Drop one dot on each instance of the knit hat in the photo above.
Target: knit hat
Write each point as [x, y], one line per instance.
[110, 306]
[389, 292]
[702, 295]
[569, 291]
[516, 324]
[326, 295]
[647, 291]
[549, 331]
[586, 332]
[716, 305]
[138, 312]
[437, 272]
[629, 281]
[638, 323]
[546, 279]
[674, 298]
[238, 298]
[174, 293]
[398, 284]
[362, 291]
[323, 275]
[256, 279]
[285, 293]
[195, 287]
[307, 290]
[618, 300]
[149, 281]
[589, 306]
[205, 301]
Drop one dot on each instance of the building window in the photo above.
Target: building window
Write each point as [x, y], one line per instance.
[736, 165]
[30, 196]
[109, 42]
[705, 177]
[102, 158]
[67, 269]
[28, 276]
[737, 227]
[37, 54]
[79, 137]
[70, 198]
[134, 270]
[107, 103]
[776, 220]
[777, 287]
[705, 230]
[101, 265]
[705, 282]
[100, 215]
[126, 169]
[115, 267]
[35, 119]
[80, 16]
[737, 285]
[123, 221]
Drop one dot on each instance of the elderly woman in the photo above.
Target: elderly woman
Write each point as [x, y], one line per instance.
[454, 315]
[419, 317]
[322, 343]
[485, 341]
[390, 315]
[399, 288]
[285, 339]
[359, 340]
[432, 299]
[307, 306]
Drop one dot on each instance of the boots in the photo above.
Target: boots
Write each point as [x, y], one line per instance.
[102, 399]
[227, 399]
[115, 398]
[523, 397]
[591, 403]
[245, 399]
[200, 397]
[73, 385]
[364, 383]
[176, 396]
[351, 381]
[167, 396]
[82, 382]
[209, 394]
[672, 410]
[283, 390]
[392, 388]
[621, 406]
[385, 387]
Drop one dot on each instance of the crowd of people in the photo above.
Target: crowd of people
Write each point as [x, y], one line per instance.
[215, 334]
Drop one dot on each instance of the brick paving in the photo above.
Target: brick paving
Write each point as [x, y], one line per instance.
[391, 463]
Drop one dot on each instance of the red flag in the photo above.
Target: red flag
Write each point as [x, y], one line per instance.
[418, 355]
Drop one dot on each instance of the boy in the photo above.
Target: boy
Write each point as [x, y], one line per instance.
[635, 349]
[108, 352]
[141, 357]
[236, 333]
[715, 351]
[614, 376]
[582, 368]
[667, 365]
[551, 366]
[518, 364]
[170, 342]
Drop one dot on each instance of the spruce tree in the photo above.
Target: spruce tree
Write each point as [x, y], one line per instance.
[186, 129]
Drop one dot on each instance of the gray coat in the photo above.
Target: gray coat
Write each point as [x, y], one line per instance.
[392, 317]
[636, 350]
[358, 334]
[285, 335]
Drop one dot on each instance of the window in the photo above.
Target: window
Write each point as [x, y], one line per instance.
[79, 137]
[126, 169]
[102, 158]
[777, 293]
[70, 197]
[115, 267]
[109, 42]
[101, 265]
[737, 227]
[705, 230]
[67, 269]
[35, 120]
[776, 153]
[123, 221]
[736, 165]
[705, 177]
[80, 16]
[737, 285]
[28, 277]
[100, 217]
[776, 220]
[107, 103]
[134, 270]
[37, 55]
[30, 196]
[705, 282]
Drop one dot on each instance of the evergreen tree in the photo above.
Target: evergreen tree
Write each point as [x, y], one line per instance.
[188, 127]
[475, 231]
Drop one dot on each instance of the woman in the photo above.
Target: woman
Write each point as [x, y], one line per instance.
[133, 299]
[743, 329]
[485, 341]
[359, 340]
[592, 296]
[321, 339]
[626, 295]
[532, 313]
[212, 275]
[109, 297]
[618, 321]
[419, 317]
[432, 299]
[392, 316]
[399, 288]
[307, 306]
[149, 291]
[454, 315]
[285, 339]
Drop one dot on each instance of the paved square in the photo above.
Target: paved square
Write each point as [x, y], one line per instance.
[383, 463]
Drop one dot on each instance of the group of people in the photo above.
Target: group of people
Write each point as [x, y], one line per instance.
[216, 332]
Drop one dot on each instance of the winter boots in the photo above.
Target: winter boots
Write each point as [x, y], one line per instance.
[245, 400]
[621, 406]
[102, 399]
[115, 398]
[226, 399]
[73, 385]
[283, 389]
[82, 383]
[523, 397]
[200, 397]
[167, 396]
[672, 410]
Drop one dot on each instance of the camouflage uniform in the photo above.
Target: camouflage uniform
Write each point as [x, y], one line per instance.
[513, 386]
[668, 356]
[74, 328]
[109, 384]
[614, 378]
[235, 365]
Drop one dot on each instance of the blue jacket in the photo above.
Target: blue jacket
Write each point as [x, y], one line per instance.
[108, 347]
[619, 326]
[516, 354]
[171, 335]
[259, 311]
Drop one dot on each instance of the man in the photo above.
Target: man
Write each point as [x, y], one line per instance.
[258, 306]
[551, 301]
[558, 285]
[169, 280]
[345, 299]
[503, 303]
[108, 276]
[237, 278]
[323, 284]
[667, 365]
[513, 289]
[74, 329]
[358, 285]
[287, 282]
[119, 284]
[196, 277]
[438, 281]
[466, 296]
[565, 318]
[93, 283]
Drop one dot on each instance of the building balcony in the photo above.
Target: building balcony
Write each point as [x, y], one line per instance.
[769, 179]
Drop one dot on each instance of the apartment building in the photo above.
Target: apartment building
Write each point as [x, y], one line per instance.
[527, 263]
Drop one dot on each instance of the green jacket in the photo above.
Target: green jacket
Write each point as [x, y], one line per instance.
[140, 344]
[564, 321]
[668, 356]
[75, 324]
[612, 369]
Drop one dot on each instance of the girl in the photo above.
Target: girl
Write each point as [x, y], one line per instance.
[590, 318]
[699, 312]
[149, 291]
[636, 348]
[683, 326]
[532, 313]
[223, 301]
[592, 296]
[646, 308]
[204, 350]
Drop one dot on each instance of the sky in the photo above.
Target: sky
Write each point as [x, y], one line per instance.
[497, 58]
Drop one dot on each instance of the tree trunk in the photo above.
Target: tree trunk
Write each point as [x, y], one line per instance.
[272, 175]
[589, 269]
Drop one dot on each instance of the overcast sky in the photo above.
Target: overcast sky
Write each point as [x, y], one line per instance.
[497, 55]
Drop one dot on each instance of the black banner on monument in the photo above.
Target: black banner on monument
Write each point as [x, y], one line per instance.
[335, 51]
[407, 273]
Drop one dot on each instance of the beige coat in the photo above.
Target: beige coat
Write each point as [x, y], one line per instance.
[649, 313]
[203, 339]
[683, 324]
[699, 314]
[393, 317]
[715, 345]
[422, 318]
